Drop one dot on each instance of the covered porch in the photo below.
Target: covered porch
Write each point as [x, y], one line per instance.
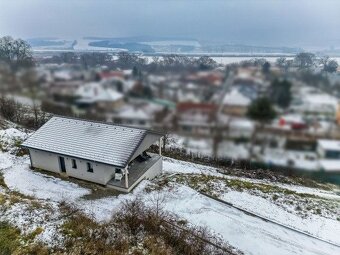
[136, 172]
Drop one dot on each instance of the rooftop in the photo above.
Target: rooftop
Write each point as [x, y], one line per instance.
[93, 92]
[95, 141]
[235, 97]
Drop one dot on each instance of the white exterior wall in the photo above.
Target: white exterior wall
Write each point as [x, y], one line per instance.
[44, 160]
[49, 161]
[155, 169]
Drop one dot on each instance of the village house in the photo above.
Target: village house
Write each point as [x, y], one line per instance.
[131, 115]
[195, 119]
[235, 103]
[103, 153]
[97, 97]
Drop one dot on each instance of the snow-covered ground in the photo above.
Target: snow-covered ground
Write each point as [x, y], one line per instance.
[171, 166]
[327, 229]
[42, 186]
[251, 235]
[245, 232]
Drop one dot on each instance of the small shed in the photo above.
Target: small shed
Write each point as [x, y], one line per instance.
[103, 153]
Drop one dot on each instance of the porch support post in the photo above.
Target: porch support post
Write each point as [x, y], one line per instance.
[126, 177]
[160, 146]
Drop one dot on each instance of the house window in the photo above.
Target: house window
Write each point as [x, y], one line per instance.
[332, 154]
[89, 167]
[74, 164]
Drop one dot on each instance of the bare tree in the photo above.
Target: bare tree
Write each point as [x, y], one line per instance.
[324, 60]
[305, 60]
[31, 82]
[15, 52]
[331, 66]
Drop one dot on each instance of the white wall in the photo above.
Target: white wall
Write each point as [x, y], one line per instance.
[155, 169]
[49, 161]
[44, 160]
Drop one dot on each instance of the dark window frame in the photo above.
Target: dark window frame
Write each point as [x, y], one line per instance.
[74, 164]
[89, 167]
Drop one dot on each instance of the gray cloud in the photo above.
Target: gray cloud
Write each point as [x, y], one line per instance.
[259, 22]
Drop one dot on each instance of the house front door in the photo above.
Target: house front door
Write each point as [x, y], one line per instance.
[62, 164]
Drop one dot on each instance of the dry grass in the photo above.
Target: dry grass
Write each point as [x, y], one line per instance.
[137, 229]
[2, 181]
[13, 242]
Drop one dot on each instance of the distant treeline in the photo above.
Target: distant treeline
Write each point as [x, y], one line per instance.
[125, 60]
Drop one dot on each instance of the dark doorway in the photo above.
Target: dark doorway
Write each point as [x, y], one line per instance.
[62, 164]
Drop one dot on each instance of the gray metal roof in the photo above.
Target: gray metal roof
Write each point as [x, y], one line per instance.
[95, 141]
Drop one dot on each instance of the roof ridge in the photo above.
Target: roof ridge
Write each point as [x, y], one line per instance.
[108, 123]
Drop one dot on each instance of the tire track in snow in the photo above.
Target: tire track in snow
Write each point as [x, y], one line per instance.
[269, 220]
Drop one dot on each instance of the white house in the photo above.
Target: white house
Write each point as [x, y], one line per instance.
[103, 153]
[314, 104]
[235, 103]
[132, 116]
[95, 94]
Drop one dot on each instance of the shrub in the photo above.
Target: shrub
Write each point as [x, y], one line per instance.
[139, 229]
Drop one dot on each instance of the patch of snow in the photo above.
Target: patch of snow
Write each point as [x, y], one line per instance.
[235, 97]
[5, 161]
[177, 166]
[103, 209]
[12, 134]
[41, 186]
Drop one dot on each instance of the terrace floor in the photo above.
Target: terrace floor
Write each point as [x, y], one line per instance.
[136, 171]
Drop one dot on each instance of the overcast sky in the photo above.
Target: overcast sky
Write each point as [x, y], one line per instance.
[256, 22]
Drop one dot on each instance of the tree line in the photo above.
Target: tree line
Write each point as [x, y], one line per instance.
[306, 60]
[125, 60]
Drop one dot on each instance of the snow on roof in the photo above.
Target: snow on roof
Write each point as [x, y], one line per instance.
[235, 97]
[329, 144]
[236, 122]
[242, 123]
[97, 92]
[321, 99]
[188, 97]
[63, 74]
[95, 141]
[133, 113]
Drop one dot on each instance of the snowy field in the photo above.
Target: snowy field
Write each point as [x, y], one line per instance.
[245, 232]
